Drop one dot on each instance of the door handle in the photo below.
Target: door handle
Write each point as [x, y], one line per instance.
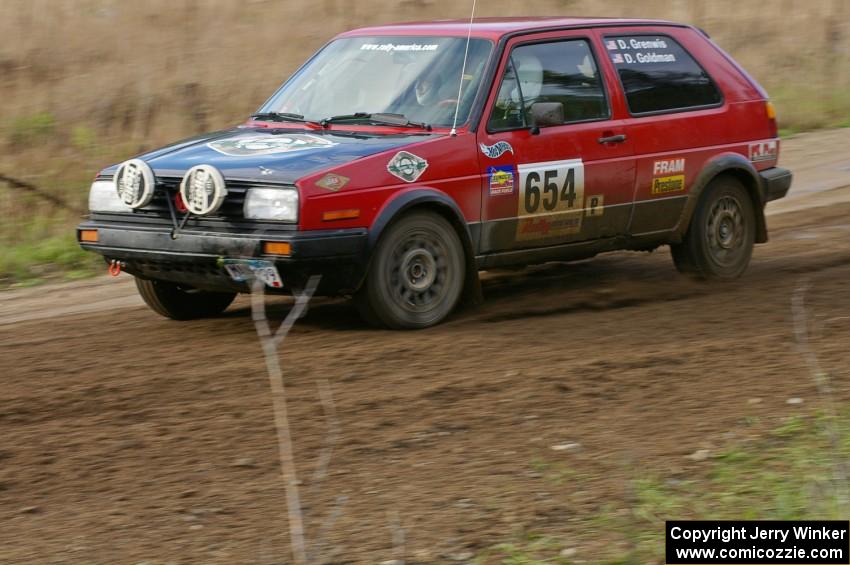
[620, 138]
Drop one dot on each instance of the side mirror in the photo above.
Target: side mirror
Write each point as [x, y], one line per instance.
[545, 114]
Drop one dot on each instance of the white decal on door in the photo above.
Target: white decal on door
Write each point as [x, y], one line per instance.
[551, 199]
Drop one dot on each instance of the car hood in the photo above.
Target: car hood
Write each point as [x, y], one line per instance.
[271, 155]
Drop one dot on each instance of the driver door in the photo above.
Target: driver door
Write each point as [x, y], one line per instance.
[567, 182]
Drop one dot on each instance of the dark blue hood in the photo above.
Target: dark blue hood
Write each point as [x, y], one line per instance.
[271, 155]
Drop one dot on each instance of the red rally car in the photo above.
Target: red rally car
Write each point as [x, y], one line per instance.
[401, 160]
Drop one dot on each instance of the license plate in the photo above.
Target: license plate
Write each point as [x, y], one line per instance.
[245, 270]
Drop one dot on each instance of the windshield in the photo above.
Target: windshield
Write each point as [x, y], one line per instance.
[418, 77]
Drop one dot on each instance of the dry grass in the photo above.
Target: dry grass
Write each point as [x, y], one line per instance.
[88, 82]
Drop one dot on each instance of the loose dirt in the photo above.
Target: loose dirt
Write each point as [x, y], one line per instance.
[129, 438]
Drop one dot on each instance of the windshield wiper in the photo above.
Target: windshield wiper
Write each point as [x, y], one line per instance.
[379, 118]
[282, 117]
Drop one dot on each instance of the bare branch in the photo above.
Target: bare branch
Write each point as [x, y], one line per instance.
[269, 342]
[398, 536]
[298, 309]
[319, 547]
[822, 381]
[40, 192]
[329, 408]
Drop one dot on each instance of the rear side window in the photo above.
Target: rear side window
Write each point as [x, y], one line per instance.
[563, 71]
[658, 75]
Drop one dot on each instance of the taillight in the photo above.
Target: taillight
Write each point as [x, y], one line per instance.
[771, 119]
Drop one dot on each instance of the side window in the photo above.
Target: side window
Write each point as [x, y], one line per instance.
[658, 75]
[563, 72]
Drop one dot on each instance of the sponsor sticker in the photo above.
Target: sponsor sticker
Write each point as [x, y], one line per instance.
[594, 206]
[497, 149]
[501, 180]
[640, 51]
[332, 182]
[663, 185]
[667, 166]
[763, 151]
[668, 175]
[551, 199]
[252, 145]
[404, 47]
[407, 166]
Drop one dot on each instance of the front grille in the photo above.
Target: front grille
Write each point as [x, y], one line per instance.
[167, 187]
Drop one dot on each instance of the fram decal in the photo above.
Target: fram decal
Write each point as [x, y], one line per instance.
[668, 176]
[497, 149]
[763, 150]
[668, 166]
[407, 166]
[501, 180]
[250, 145]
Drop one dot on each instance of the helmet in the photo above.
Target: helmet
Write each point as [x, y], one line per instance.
[427, 89]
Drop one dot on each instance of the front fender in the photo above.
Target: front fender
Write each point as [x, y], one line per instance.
[444, 205]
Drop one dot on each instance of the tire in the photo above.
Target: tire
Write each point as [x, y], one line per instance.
[719, 242]
[181, 303]
[416, 274]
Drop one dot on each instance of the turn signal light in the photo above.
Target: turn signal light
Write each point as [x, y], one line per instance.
[89, 236]
[340, 215]
[277, 247]
[771, 111]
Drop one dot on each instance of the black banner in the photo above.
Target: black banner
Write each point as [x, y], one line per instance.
[768, 542]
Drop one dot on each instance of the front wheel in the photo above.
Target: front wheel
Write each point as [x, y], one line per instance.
[720, 238]
[416, 274]
[182, 303]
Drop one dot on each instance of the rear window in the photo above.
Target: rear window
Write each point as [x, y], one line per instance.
[658, 75]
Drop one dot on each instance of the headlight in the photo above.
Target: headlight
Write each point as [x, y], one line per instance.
[271, 204]
[104, 198]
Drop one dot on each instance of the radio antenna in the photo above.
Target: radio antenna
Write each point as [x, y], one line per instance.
[463, 70]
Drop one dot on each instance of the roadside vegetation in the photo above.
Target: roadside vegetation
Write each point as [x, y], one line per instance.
[790, 472]
[91, 82]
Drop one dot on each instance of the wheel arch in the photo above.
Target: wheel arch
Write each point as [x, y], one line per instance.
[439, 203]
[738, 167]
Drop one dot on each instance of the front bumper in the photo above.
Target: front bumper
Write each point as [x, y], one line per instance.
[194, 256]
[777, 182]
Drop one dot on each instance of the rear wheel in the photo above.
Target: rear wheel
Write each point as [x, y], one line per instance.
[720, 238]
[416, 274]
[182, 303]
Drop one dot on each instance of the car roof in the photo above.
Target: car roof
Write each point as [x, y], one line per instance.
[495, 28]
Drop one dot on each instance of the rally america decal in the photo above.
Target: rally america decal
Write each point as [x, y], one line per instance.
[763, 151]
[407, 166]
[668, 175]
[551, 199]
[501, 180]
[252, 145]
[497, 149]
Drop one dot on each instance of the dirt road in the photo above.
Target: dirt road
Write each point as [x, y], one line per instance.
[128, 438]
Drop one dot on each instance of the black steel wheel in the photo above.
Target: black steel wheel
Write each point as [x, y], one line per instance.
[720, 238]
[182, 303]
[416, 274]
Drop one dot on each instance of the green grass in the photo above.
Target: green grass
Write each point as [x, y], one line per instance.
[53, 257]
[787, 474]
